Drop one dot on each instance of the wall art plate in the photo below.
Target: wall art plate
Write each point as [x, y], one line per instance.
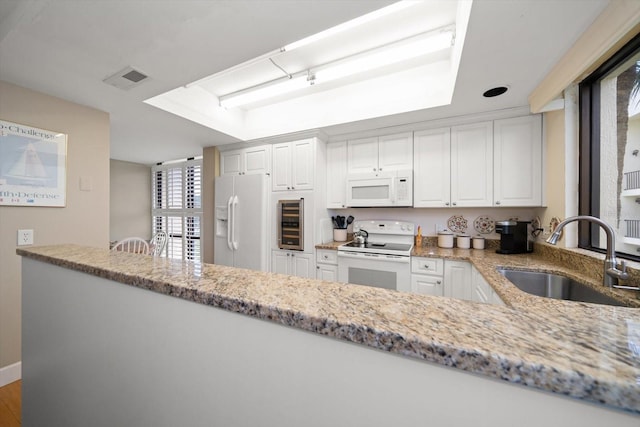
[457, 224]
[484, 225]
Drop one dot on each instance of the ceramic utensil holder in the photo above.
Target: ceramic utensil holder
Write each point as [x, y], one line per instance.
[340, 234]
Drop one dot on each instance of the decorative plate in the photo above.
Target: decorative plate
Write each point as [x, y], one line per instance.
[457, 224]
[484, 225]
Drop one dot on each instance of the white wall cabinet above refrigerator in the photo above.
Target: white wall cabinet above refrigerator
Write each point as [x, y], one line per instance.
[246, 161]
[380, 153]
[294, 165]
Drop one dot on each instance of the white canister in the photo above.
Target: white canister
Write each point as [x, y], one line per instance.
[340, 234]
[463, 241]
[478, 242]
[445, 239]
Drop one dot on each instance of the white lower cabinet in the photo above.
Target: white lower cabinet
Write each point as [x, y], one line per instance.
[427, 276]
[293, 263]
[457, 279]
[482, 291]
[327, 265]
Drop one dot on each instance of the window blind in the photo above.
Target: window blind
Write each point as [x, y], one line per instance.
[177, 207]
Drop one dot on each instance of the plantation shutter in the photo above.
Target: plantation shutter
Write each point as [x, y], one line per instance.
[177, 207]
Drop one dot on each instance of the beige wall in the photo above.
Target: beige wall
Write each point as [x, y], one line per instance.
[85, 219]
[130, 208]
[554, 162]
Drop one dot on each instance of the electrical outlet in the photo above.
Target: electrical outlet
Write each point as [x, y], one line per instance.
[25, 237]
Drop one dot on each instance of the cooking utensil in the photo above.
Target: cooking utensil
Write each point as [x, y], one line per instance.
[350, 219]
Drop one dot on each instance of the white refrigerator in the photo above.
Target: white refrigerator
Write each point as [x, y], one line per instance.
[241, 223]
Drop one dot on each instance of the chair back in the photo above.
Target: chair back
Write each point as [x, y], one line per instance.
[132, 244]
[158, 242]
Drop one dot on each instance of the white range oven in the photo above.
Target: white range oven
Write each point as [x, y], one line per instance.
[384, 261]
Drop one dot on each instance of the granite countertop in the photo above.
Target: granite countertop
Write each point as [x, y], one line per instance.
[586, 351]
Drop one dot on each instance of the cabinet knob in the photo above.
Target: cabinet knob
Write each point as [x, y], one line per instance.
[438, 282]
[446, 203]
[288, 188]
[326, 256]
[293, 188]
[380, 169]
[317, 267]
[374, 169]
[454, 203]
[497, 202]
[426, 266]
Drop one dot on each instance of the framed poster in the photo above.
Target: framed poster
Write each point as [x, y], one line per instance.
[33, 166]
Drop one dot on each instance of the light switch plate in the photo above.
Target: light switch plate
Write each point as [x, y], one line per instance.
[25, 237]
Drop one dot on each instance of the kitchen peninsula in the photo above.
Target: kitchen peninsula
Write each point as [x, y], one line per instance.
[238, 347]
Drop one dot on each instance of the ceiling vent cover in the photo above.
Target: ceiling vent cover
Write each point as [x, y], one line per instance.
[126, 78]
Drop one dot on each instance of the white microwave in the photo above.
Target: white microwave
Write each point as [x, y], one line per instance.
[380, 189]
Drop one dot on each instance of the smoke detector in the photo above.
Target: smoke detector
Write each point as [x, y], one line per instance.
[126, 78]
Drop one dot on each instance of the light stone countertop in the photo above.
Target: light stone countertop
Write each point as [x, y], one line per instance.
[586, 351]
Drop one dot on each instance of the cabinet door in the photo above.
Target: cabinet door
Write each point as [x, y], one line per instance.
[302, 265]
[518, 161]
[302, 164]
[432, 168]
[480, 289]
[457, 279]
[336, 175]
[280, 262]
[472, 165]
[362, 155]
[281, 174]
[231, 162]
[395, 152]
[427, 285]
[257, 160]
[327, 272]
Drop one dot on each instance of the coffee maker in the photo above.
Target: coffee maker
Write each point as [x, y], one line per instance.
[514, 237]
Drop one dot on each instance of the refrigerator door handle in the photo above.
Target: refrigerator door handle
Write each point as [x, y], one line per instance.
[234, 242]
[229, 222]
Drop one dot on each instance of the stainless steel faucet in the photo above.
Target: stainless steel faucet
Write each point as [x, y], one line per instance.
[611, 272]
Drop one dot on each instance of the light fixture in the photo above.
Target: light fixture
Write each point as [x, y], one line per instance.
[393, 53]
[376, 14]
[264, 91]
[388, 55]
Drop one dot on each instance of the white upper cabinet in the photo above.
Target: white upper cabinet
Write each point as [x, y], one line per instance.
[395, 152]
[380, 154]
[472, 165]
[336, 175]
[518, 161]
[293, 165]
[432, 168]
[363, 155]
[253, 160]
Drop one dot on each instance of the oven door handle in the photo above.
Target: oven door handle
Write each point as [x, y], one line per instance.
[375, 257]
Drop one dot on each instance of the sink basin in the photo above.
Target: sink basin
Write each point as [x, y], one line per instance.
[555, 286]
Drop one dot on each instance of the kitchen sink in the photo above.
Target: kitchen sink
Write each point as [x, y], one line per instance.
[556, 286]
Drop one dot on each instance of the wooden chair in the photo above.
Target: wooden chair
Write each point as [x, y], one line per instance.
[158, 242]
[133, 245]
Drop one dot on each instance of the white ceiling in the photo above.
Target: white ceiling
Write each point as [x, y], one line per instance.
[65, 48]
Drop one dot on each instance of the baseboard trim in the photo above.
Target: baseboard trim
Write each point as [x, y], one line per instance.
[10, 373]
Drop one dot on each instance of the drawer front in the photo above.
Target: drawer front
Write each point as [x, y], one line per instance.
[327, 256]
[427, 265]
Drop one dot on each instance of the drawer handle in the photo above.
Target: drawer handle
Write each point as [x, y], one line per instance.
[426, 266]
[438, 282]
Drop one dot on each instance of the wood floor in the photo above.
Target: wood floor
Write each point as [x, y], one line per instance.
[10, 404]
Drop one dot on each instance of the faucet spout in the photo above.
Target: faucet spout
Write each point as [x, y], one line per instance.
[611, 272]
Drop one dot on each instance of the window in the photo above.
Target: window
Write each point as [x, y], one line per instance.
[609, 152]
[177, 207]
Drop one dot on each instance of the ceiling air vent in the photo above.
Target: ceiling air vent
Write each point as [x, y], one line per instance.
[126, 78]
